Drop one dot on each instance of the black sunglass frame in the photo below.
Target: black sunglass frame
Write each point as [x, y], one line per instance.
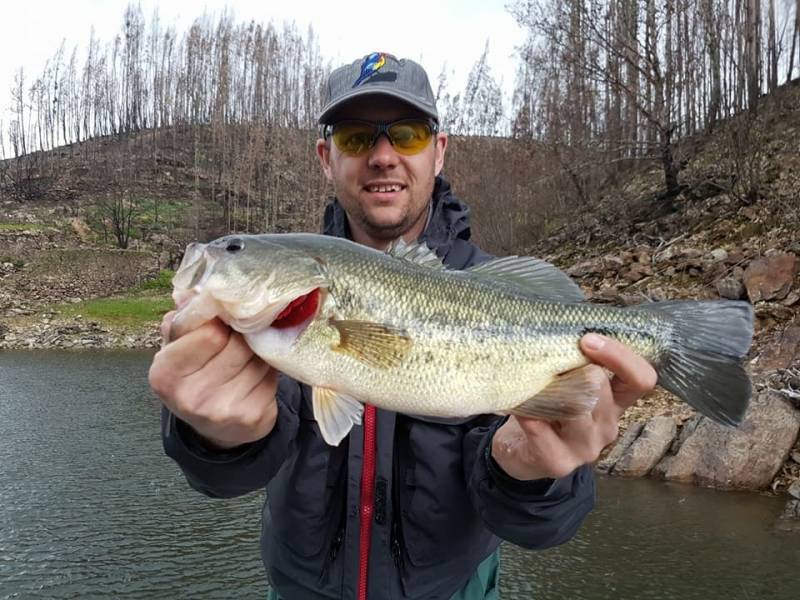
[382, 127]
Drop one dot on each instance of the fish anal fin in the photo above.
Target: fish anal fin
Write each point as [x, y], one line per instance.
[335, 414]
[567, 396]
[376, 344]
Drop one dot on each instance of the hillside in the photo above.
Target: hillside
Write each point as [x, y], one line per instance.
[63, 284]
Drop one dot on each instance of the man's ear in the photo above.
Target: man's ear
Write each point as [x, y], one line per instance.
[441, 148]
[324, 155]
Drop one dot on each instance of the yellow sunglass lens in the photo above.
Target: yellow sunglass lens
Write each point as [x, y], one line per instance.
[407, 137]
[410, 137]
[354, 138]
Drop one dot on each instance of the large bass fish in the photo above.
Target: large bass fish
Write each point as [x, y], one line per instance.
[399, 330]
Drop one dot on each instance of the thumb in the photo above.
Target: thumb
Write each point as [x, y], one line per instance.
[166, 327]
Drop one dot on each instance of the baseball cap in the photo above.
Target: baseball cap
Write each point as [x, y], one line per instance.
[379, 73]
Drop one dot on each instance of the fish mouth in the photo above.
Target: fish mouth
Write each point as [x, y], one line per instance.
[299, 311]
[292, 316]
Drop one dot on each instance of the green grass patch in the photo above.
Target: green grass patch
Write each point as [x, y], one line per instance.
[121, 311]
[161, 282]
[17, 262]
[11, 227]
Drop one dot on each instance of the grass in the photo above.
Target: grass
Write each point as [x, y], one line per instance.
[17, 262]
[121, 311]
[162, 282]
[10, 227]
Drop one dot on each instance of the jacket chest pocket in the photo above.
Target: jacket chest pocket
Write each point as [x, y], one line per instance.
[306, 498]
[434, 508]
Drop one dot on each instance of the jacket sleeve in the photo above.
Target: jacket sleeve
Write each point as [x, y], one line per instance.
[536, 514]
[226, 474]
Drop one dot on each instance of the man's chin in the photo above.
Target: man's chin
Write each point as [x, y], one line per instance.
[387, 231]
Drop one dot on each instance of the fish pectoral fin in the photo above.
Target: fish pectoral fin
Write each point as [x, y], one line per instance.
[335, 414]
[567, 396]
[532, 275]
[381, 346]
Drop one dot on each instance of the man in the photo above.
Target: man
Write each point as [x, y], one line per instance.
[402, 508]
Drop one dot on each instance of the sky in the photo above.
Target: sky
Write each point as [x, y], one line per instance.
[448, 34]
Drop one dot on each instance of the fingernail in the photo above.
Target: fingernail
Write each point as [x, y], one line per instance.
[592, 341]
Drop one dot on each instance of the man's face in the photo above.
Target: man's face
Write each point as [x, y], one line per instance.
[384, 193]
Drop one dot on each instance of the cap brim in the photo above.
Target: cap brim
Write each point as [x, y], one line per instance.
[375, 90]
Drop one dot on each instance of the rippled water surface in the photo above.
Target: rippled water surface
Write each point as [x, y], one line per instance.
[91, 508]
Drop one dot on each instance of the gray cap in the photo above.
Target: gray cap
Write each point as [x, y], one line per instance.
[379, 73]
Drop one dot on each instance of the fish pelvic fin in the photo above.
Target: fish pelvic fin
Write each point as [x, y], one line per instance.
[703, 361]
[335, 414]
[376, 344]
[567, 396]
[531, 276]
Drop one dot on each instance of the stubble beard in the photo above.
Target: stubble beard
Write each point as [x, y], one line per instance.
[390, 232]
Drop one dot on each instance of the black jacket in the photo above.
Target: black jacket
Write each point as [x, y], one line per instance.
[441, 506]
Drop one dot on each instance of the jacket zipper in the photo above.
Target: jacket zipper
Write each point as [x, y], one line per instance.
[367, 502]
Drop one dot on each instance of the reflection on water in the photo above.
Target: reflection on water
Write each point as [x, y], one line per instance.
[653, 540]
[91, 508]
[89, 505]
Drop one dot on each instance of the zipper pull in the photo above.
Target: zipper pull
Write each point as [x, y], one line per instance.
[336, 545]
[396, 547]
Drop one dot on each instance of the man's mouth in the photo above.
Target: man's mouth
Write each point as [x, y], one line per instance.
[384, 188]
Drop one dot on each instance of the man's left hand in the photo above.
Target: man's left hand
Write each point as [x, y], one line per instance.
[529, 449]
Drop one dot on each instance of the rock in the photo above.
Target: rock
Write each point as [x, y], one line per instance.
[623, 443]
[584, 268]
[780, 355]
[648, 449]
[790, 519]
[747, 457]
[795, 456]
[730, 288]
[794, 490]
[613, 263]
[607, 294]
[791, 299]
[771, 277]
[719, 255]
[687, 430]
[637, 271]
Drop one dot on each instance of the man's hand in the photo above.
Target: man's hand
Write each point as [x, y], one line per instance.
[210, 379]
[534, 449]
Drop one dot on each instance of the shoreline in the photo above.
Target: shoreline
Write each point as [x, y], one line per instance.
[76, 333]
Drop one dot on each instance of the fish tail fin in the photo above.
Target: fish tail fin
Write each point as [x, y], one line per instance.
[703, 361]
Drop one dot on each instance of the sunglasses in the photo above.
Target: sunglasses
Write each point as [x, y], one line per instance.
[407, 136]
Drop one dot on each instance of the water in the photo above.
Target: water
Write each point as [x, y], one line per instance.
[90, 508]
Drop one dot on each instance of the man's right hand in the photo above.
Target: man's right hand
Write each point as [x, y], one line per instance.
[211, 379]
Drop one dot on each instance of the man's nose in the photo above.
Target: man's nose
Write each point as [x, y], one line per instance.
[382, 155]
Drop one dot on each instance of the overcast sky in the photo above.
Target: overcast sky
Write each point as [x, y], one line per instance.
[448, 33]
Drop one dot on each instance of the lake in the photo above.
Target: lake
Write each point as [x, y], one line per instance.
[90, 508]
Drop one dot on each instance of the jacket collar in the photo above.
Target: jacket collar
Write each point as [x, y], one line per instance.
[448, 219]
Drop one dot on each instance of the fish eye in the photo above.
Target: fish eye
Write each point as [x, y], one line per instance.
[235, 245]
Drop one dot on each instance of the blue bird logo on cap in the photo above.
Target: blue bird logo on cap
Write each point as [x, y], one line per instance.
[371, 65]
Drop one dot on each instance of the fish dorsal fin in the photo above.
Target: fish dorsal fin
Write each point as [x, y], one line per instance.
[537, 277]
[416, 252]
[567, 396]
[376, 344]
[335, 414]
